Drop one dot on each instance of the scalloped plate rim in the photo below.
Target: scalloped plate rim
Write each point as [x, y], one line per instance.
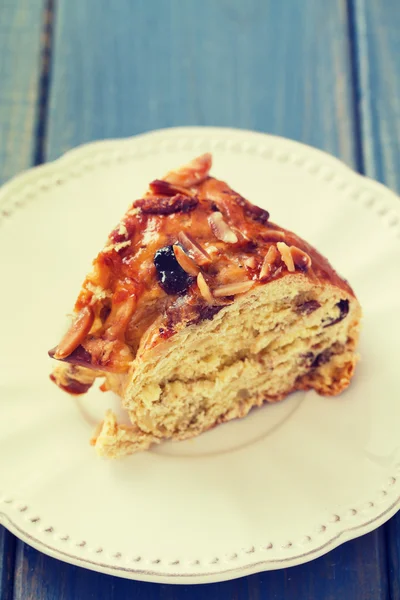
[345, 534]
[193, 578]
[72, 153]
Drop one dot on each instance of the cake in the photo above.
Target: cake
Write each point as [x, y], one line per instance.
[198, 309]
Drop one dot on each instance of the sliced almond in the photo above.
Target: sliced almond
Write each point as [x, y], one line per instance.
[197, 252]
[119, 318]
[159, 186]
[231, 289]
[268, 262]
[286, 255]
[221, 229]
[251, 262]
[273, 235]
[185, 261]
[76, 333]
[204, 289]
[191, 174]
[301, 259]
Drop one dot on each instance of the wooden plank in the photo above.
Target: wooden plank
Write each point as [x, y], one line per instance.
[376, 29]
[20, 50]
[20, 31]
[355, 570]
[377, 52]
[282, 67]
[7, 555]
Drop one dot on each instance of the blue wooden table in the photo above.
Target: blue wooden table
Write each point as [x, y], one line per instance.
[326, 72]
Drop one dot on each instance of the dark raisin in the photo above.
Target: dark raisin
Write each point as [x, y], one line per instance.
[306, 308]
[343, 306]
[322, 358]
[171, 277]
[306, 359]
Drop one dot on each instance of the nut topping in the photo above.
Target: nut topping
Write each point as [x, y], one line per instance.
[119, 318]
[153, 205]
[221, 229]
[301, 259]
[251, 262]
[286, 255]
[273, 235]
[185, 261]
[197, 252]
[164, 188]
[231, 289]
[204, 289]
[191, 174]
[268, 262]
[76, 333]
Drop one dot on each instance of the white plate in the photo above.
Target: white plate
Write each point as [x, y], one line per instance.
[281, 487]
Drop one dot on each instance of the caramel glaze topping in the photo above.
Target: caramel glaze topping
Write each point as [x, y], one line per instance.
[139, 291]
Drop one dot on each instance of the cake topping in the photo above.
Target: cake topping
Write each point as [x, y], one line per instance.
[197, 252]
[191, 174]
[76, 333]
[286, 255]
[220, 228]
[301, 259]
[166, 206]
[273, 235]
[268, 263]
[171, 277]
[204, 289]
[185, 261]
[164, 188]
[186, 222]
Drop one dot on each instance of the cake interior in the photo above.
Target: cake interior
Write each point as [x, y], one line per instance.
[288, 335]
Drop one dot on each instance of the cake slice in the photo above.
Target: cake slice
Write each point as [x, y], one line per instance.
[198, 309]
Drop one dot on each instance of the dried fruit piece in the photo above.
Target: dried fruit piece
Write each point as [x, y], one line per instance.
[221, 229]
[286, 255]
[301, 259]
[343, 306]
[322, 358]
[197, 252]
[166, 206]
[171, 277]
[76, 333]
[268, 263]
[308, 307]
[231, 289]
[185, 261]
[204, 289]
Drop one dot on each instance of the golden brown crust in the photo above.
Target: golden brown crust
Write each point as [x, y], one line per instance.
[230, 241]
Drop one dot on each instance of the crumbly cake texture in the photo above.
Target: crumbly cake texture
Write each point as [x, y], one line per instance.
[198, 309]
